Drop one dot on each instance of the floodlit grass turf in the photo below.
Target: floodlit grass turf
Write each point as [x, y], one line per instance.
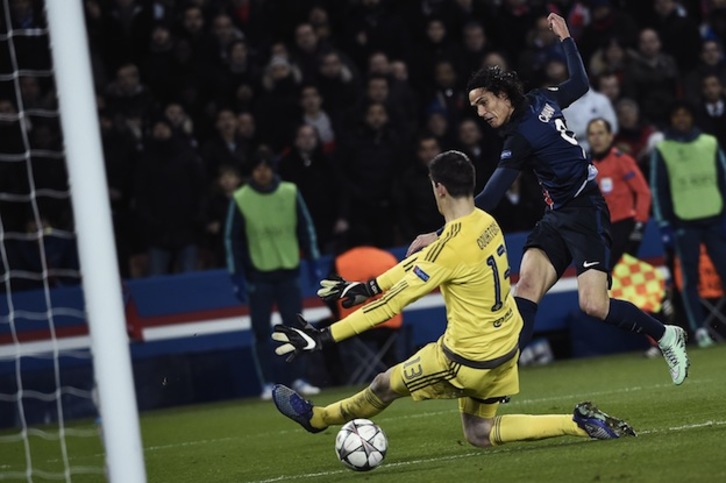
[681, 434]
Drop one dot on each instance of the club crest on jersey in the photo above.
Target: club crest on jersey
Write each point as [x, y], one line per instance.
[547, 113]
[421, 274]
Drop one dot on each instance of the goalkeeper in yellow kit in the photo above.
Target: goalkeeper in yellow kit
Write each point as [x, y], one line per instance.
[474, 361]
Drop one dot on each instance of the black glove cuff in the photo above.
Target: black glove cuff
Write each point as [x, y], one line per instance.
[326, 338]
[373, 288]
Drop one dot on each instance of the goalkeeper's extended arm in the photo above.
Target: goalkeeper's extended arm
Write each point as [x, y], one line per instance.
[296, 340]
[351, 293]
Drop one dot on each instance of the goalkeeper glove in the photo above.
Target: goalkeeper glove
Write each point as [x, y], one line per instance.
[352, 293]
[297, 340]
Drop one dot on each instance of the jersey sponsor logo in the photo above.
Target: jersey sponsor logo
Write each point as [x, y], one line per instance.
[421, 274]
[589, 264]
[505, 154]
[500, 321]
[546, 114]
[553, 88]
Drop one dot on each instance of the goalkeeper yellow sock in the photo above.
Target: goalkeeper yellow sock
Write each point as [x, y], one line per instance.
[365, 404]
[524, 427]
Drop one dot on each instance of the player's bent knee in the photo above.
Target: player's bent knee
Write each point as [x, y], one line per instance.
[594, 309]
[592, 292]
[479, 442]
[529, 289]
[477, 430]
[533, 285]
[478, 439]
[381, 386]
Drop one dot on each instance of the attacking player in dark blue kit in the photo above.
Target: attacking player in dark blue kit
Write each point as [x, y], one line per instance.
[576, 225]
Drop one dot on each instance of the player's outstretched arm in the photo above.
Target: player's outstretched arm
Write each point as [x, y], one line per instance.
[577, 84]
[494, 190]
[558, 26]
[296, 340]
[351, 293]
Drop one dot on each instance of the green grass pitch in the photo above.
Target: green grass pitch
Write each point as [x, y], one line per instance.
[681, 434]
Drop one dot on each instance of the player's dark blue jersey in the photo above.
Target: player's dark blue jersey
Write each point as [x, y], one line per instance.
[537, 138]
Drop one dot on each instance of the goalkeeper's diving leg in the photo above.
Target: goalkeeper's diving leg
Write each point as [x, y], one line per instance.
[365, 404]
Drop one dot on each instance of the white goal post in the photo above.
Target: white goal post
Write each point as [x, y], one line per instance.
[96, 247]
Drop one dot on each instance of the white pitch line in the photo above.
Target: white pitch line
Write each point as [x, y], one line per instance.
[513, 403]
[417, 415]
[388, 465]
[487, 452]
[188, 443]
[685, 427]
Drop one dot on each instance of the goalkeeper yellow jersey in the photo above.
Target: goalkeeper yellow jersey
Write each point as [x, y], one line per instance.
[469, 264]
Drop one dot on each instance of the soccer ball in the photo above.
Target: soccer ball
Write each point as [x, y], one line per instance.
[361, 445]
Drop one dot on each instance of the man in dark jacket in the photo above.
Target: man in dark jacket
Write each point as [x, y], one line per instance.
[169, 194]
[318, 180]
[370, 160]
[415, 202]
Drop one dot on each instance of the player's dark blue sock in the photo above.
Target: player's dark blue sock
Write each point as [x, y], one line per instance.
[627, 316]
[528, 309]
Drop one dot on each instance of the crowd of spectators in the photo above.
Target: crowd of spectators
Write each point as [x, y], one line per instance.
[353, 97]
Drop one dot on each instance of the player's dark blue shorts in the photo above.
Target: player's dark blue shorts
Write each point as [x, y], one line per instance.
[578, 232]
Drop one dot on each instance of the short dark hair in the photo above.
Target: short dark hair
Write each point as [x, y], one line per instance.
[497, 81]
[377, 76]
[681, 104]
[425, 136]
[453, 170]
[263, 155]
[309, 85]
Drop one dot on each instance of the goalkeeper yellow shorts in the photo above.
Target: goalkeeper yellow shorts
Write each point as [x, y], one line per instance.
[430, 374]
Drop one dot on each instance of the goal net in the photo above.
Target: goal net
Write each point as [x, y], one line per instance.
[67, 401]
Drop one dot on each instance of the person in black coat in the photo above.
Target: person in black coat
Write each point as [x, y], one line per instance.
[711, 113]
[227, 147]
[120, 155]
[679, 32]
[415, 202]
[482, 145]
[227, 181]
[370, 160]
[169, 194]
[319, 182]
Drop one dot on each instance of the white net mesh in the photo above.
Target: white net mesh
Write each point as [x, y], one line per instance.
[47, 410]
